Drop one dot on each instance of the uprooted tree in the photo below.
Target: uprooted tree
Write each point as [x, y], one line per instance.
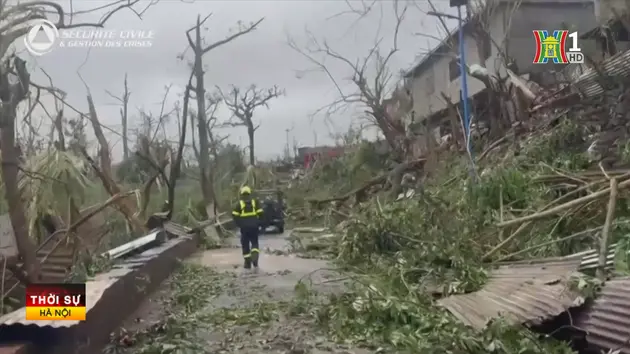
[242, 104]
[199, 49]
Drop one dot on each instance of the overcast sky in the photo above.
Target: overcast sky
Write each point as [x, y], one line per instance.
[262, 57]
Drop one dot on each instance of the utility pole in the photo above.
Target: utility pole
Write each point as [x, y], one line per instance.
[463, 68]
[287, 150]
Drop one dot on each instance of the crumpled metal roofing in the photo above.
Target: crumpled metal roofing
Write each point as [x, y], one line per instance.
[176, 229]
[522, 293]
[617, 65]
[606, 320]
[95, 288]
[589, 259]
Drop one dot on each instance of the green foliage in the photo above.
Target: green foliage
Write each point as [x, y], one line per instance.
[55, 181]
[397, 254]
[336, 176]
[563, 147]
[230, 159]
[510, 186]
[192, 287]
[133, 170]
[369, 156]
[88, 268]
[400, 252]
[372, 315]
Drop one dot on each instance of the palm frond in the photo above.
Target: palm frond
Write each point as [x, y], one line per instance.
[50, 182]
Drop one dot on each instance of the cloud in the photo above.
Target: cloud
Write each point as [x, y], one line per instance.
[262, 58]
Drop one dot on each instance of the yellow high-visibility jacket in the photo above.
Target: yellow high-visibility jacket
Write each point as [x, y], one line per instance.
[247, 213]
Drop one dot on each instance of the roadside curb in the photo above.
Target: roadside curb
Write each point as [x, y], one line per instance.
[117, 294]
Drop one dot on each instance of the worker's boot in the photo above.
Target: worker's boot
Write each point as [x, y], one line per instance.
[255, 259]
[248, 263]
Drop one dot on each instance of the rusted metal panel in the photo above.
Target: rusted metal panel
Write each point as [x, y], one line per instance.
[606, 320]
[617, 66]
[524, 293]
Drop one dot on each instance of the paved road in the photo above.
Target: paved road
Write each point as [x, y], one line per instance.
[275, 281]
[279, 270]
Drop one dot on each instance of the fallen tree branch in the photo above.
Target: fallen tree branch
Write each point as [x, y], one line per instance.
[527, 223]
[610, 215]
[562, 207]
[84, 218]
[405, 166]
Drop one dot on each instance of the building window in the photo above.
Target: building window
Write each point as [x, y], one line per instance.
[453, 69]
[486, 48]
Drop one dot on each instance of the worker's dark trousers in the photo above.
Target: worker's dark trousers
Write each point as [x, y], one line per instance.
[249, 244]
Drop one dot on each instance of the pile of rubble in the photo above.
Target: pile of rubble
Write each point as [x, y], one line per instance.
[582, 294]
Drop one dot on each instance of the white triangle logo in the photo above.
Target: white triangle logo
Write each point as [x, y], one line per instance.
[41, 38]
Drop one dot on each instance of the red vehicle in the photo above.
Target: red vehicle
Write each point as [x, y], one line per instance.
[312, 154]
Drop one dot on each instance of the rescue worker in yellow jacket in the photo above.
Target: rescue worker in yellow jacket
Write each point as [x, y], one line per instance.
[246, 215]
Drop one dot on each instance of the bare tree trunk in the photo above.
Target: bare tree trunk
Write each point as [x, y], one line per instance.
[453, 117]
[200, 92]
[11, 95]
[124, 109]
[25, 245]
[61, 144]
[104, 171]
[123, 117]
[176, 165]
[250, 135]
[199, 50]
[243, 106]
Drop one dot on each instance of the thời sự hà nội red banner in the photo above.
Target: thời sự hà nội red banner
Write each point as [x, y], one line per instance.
[54, 302]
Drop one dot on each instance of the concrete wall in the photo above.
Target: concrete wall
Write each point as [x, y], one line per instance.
[426, 87]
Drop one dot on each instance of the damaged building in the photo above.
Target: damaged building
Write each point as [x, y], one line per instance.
[434, 82]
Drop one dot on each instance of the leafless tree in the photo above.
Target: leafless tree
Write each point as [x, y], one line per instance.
[243, 104]
[124, 109]
[176, 163]
[15, 84]
[214, 141]
[199, 49]
[156, 152]
[372, 81]
[103, 170]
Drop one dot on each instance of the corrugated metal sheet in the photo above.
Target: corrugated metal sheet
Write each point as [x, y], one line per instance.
[523, 293]
[607, 319]
[95, 288]
[589, 259]
[618, 65]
